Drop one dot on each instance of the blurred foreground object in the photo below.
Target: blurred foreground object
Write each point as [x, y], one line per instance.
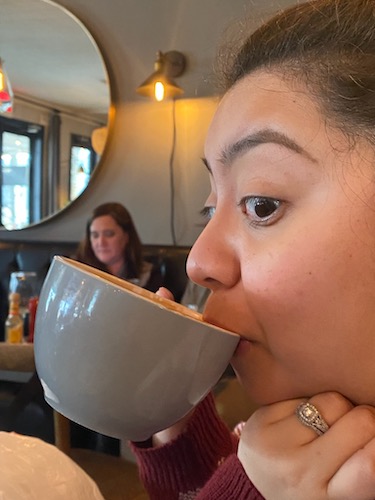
[35, 470]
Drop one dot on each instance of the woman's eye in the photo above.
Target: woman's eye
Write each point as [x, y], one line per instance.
[260, 209]
[207, 213]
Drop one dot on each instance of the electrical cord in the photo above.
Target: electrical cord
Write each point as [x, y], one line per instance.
[171, 175]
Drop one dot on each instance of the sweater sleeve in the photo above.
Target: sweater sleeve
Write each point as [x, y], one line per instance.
[179, 469]
[230, 482]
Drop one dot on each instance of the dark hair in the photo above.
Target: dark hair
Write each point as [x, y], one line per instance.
[133, 250]
[327, 44]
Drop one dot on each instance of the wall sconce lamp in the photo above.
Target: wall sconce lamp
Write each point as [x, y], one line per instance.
[160, 84]
[98, 139]
[6, 94]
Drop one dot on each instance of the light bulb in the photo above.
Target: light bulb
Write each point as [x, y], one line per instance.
[159, 91]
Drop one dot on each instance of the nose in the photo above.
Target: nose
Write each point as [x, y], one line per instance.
[100, 240]
[213, 261]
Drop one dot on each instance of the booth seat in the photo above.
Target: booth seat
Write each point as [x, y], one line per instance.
[37, 257]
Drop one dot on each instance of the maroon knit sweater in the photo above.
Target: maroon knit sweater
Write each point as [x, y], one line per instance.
[201, 463]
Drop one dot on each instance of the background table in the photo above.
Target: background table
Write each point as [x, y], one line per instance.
[17, 357]
[17, 365]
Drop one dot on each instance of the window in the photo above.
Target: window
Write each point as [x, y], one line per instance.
[20, 173]
[82, 161]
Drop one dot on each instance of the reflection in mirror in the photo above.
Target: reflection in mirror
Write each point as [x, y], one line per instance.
[61, 101]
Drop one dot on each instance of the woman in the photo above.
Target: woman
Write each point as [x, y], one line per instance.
[112, 244]
[289, 256]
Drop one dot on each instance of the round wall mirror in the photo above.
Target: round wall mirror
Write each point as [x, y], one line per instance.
[52, 138]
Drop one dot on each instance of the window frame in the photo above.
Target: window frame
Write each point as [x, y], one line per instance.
[35, 132]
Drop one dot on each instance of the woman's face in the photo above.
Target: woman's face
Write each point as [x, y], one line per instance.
[108, 241]
[289, 250]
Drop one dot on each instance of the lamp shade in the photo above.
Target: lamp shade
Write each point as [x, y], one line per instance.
[160, 84]
[159, 87]
[98, 139]
[6, 93]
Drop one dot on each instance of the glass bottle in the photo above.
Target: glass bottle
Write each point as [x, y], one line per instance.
[23, 283]
[33, 304]
[14, 321]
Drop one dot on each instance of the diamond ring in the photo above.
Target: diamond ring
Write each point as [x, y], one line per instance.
[309, 415]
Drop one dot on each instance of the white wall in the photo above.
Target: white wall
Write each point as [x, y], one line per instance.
[140, 176]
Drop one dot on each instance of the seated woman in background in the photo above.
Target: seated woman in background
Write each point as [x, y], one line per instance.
[112, 244]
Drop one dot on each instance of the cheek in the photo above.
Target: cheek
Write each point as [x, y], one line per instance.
[282, 281]
[288, 286]
[120, 245]
[312, 294]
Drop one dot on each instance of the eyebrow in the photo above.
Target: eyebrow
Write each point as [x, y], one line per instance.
[251, 141]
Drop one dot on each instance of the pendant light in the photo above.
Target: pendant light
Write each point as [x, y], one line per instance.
[6, 94]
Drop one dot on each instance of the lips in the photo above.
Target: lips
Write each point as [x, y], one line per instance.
[244, 342]
[244, 338]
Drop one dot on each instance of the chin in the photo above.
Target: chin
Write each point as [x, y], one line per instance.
[264, 393]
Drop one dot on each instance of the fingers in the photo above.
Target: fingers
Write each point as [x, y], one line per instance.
[331, 406]
[165, 293]
[338, 465]
[357, 470]
[354, 462]
[343, 458]
[279, 421]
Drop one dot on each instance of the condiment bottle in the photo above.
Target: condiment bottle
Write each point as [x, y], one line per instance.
[14, 321]
[33, 304]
